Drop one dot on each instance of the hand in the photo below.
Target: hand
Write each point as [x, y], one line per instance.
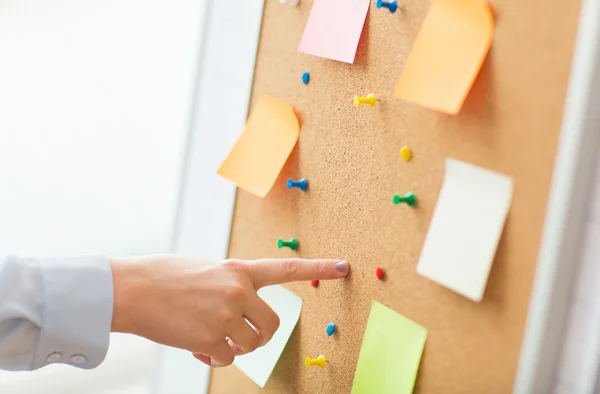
[211, 310]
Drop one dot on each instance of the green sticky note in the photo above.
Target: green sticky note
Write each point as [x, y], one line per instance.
[390, 354]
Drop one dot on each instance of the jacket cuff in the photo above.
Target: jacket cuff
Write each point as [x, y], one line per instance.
[77, 312]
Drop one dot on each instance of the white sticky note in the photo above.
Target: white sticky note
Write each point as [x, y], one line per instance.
[465, 228]
[259, 364]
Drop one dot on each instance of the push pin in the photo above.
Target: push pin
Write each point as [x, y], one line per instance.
[390, 5]
[320, 361]
[409, 198]
[406, 153]
[305, 78]
[302, 184]
[380, 273]
[292, 244]
[292, 2]
[314, 283]
[330, 329]
[369, 100]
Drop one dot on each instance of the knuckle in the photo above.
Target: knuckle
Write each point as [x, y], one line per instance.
[212, 341]
[226, 317]
[289, 267]
[266, 337]
[254, 343]
[276, 322]
[235, 293]
[320, 267]
[228, 359]
[263, 337]
[235, 264]
[272, 328]
[237, 349]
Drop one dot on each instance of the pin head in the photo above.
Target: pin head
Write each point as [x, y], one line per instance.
[307, 362]
[305, 78]
[314, 283]
[379, 273]
[330, 329]
[406, 153]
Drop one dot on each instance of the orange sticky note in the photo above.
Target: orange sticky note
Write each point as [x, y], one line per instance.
[447, 54]
[258, 156]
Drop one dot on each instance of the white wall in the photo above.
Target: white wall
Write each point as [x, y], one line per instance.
[95, 104]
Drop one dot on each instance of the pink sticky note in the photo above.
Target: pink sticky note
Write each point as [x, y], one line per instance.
[333, 29]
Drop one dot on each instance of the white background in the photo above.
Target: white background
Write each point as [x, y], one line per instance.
[95, 106]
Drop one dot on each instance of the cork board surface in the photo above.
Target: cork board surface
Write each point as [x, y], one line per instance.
[510, 123]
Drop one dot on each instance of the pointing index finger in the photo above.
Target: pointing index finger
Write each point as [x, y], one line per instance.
[268, 272]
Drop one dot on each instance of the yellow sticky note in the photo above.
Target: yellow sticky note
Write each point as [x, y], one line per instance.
[258, 156]
[390, 353]
[447, 54]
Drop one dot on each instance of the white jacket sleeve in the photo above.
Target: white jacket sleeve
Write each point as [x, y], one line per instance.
[54, 311]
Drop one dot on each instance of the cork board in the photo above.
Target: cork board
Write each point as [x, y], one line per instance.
[510, 123]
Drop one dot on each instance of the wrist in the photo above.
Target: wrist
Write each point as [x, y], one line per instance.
[126, 289]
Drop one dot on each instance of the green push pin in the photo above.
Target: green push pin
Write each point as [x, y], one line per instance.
[292, 244]
[408, 198]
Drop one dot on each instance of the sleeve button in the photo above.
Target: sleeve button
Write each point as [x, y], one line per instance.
[53, 357]
[78, 359]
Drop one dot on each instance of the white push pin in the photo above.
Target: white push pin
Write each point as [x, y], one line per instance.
[292, 2]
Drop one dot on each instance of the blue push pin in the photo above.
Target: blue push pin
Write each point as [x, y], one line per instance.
[302, 184]
[305, 78]
[330, 329]
[390, 5]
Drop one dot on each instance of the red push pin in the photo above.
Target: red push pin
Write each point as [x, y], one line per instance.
[314, 283]
[379, 272]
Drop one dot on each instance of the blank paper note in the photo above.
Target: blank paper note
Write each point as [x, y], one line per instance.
[334, 28]
[390, 354]
[465, 228]
[259, 364]
[259, 154]
[447, 55]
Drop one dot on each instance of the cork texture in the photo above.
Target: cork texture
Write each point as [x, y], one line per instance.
[510, 123]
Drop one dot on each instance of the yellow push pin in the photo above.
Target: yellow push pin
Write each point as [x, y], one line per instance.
[406, 153]
[370, 100]
[320, 361]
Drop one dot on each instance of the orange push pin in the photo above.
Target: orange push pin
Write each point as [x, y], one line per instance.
[369, 100]
[320, 361]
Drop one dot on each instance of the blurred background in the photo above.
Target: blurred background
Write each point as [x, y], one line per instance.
[95, 107]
